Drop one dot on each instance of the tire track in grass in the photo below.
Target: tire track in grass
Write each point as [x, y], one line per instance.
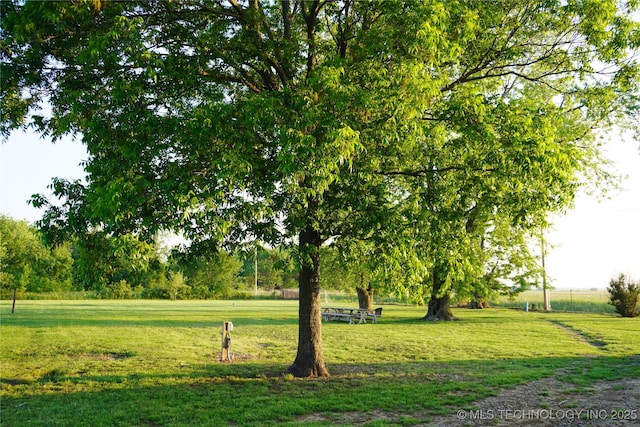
[579, 335]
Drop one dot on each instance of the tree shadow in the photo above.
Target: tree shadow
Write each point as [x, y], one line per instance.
[258, 394]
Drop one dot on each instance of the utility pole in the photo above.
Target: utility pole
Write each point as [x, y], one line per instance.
[545, 290]
[255, 268]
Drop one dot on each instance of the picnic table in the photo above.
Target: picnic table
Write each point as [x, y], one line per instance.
[350, 314]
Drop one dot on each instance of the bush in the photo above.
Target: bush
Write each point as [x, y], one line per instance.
[119, 290]
[624, 296]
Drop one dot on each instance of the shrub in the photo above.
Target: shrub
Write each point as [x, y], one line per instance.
[624, 296]
[119, 290]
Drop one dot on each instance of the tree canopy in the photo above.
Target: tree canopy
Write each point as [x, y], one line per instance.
[26, 264]
[413, 126]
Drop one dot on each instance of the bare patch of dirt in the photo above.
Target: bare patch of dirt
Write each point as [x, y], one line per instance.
[235, 357]
[543, 403]
[102, 356]
[550, 402]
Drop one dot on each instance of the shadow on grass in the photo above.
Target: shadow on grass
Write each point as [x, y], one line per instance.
[257, 394]
[146, 313]
[165, 320]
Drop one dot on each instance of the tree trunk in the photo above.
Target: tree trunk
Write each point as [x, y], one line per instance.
[438, 308]
[478, 304]
[365, 296]
[309, 360]
[13, 305]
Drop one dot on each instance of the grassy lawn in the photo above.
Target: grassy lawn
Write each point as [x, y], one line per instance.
[155, 363]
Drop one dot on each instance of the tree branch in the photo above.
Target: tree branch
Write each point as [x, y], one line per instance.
[230, 78]
[418, 173]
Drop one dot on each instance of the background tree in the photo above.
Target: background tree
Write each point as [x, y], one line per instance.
[508, 264]
[358, 266]
[27, 264]
[102, 262]
[175, 285]
[276, 268]
[210, 274]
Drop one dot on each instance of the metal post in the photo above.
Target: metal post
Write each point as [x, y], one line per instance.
[571, 298]
[255, 266]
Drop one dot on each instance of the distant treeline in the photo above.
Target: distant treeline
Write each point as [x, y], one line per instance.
[105, 266]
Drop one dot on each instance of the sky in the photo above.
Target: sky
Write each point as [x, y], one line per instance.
[589, 245]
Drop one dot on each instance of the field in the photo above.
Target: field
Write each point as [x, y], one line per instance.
[156, 363]
[569, 300]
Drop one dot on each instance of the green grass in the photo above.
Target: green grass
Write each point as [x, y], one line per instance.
[155, 363]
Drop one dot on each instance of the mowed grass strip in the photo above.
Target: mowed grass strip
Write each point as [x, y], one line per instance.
[110, 363]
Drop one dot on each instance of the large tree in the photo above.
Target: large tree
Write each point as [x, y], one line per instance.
[514, 133]
[376, 121]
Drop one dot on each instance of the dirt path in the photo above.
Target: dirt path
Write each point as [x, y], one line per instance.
[543, 403]
[549, 402]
